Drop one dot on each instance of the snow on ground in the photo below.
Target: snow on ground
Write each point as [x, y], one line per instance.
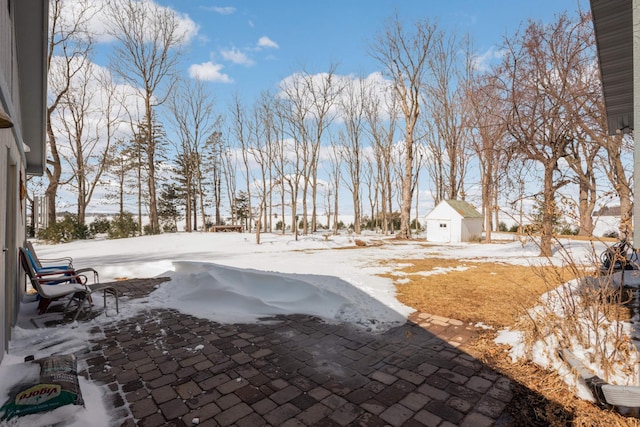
[227, 277]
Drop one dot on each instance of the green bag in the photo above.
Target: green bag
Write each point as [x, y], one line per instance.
[58, 386]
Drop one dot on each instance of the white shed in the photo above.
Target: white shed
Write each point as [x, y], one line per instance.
[453, 221]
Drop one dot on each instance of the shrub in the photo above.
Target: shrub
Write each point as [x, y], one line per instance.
[149, 231]
[585, 316]
[100, 226]
[503, 227]
[568, 230]
[170, 228]
[122, 226]
[612, 233]
[65, 231]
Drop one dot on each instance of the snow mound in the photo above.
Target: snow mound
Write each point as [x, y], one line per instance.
[233, 295]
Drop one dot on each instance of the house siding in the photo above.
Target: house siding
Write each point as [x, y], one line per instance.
[13, 161]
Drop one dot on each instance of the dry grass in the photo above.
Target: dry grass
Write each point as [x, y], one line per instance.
[492, 293]
[498, 294]
[542, 398]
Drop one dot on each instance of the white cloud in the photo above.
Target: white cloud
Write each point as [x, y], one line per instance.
[236, 56]
[375, 85]
[265, 41]
[483, 61]
[97, 20]
[222, 10]
[208, 71]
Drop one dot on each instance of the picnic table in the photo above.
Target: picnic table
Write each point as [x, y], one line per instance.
[225, 228]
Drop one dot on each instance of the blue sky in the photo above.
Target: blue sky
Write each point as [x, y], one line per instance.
[245, 47]
[315, 34]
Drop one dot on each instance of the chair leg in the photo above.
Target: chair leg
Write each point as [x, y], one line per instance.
[114, 292]
[80, 306]
[81, 297]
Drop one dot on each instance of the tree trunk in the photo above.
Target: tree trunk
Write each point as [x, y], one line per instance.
[53, 174]
[586, 205]
[151, 166]
[546, 229]
[407, 183]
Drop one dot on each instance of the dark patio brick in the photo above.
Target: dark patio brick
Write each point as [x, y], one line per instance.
[167, 368]
[345, 414]
[163, 394]
[282, 413]
[314, 414]
[396, 415]
[285, 395]
[173, 409]
[233, 414]
[144, 407]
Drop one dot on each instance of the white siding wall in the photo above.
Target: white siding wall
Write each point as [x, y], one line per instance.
[471, 229]
[12, 212]
[458, 229]
[443, 213]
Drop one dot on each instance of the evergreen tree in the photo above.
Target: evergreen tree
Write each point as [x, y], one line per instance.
[142, 141]
[241, 207]
[168, 211]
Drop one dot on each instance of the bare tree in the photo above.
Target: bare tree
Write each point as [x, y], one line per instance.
[281, 155]
[614, 167]
[88, 113]
[586, 107]
[193, 114]
[312, 110]
[259, 149]
[382, 108]
[447, 112]
[487, 118]
[372, 188]
[404, 55]
[119, 163]
[230, 168]
[70, 44]
[352, 107]
[145, 56]
[214, 150]
[324, 90]
[241, 132]
[335, 174]
[268, 116]
[295, 109]
[537, 120]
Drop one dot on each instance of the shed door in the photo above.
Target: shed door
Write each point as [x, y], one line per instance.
[440, 231]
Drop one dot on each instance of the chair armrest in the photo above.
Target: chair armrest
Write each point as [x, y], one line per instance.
[62, 278]
[64, 258]
[56, 272]
[96, 277]
[56, 291]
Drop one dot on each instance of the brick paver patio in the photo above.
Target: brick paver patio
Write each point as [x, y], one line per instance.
[165, 368]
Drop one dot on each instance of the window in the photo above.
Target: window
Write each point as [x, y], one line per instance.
[443, 225]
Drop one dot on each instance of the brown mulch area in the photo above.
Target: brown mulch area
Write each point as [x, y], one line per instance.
[542, 398]
[497, 294]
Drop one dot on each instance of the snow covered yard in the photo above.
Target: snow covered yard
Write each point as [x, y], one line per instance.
[226, 277]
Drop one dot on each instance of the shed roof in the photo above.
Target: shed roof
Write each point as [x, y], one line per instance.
[465, 209]
[462, 208]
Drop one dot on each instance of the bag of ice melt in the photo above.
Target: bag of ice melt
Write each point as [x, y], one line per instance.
[57, 386]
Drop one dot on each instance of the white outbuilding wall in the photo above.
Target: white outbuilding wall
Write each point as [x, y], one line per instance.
[453, 221]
